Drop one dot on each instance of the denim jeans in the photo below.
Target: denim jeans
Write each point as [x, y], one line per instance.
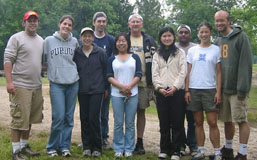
[189, 138]
[63, 100]
[105, 116]
[90, 109]
[124, 110]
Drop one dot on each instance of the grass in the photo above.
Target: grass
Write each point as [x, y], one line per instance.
[3, 81]
[254, 67]
[252, 113]
[38, 143]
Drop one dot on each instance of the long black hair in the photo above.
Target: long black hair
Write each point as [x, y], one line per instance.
[116, 52]
[172, 48]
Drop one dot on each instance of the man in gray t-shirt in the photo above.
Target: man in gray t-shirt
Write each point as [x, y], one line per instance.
[184, 37]
[22, 67]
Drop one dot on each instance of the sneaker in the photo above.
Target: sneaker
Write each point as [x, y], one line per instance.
[227, 153]
[27, 150]
[139, 149]
[218, 157]
[96, 154]
[128, 154]
[118, 154]
[106, 144]
[52, 153]
[87, 153]
[174, 157]
[182, 151]
[241, 157]
[66, 153]
[193, 152]
[162, 155]
[18, 155]
[80, 145]
[198, 156]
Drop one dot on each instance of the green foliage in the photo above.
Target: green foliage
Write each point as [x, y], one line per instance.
[12, 11]
[194, 12]
[151, 12]
[246, 17]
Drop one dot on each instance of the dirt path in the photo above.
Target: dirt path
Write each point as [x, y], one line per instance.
[151, 136]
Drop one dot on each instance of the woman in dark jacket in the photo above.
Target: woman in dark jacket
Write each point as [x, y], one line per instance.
[91, 64]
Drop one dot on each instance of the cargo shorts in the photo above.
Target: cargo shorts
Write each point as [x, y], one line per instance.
[26, 108]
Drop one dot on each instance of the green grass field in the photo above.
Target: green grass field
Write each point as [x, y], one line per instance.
[38, 143]
[254, 67]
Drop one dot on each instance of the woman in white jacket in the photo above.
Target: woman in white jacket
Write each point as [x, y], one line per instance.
[168, 74]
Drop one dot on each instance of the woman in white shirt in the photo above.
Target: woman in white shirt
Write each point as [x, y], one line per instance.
[124, 72]
[204, 70]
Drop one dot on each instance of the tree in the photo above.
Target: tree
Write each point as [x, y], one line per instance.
[12, 11]
[153, 17]
[194, 12]
[246, 17]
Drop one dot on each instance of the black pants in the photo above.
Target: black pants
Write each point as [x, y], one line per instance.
[171, 112]
[90, 108]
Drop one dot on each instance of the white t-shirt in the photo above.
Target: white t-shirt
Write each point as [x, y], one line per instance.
[204, 62]
[124, 72]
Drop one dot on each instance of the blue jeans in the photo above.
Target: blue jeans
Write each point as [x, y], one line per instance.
[63, 100]
[105, 115]
[190, 138]
[124, 142]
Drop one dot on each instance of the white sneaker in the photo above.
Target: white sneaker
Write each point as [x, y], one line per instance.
[66, 153]
[174, 157]
[218, 157]
[194, 152]
[198, 156]
[128, 154]
[87, 153]
[182, 151]
[118, 154]
[162, 155]
[52, 153]
[96, 154]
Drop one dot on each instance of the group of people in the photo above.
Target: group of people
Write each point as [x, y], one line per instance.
[186, 78]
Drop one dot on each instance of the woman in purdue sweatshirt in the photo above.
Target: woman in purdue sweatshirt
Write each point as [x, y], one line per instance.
[63, 76]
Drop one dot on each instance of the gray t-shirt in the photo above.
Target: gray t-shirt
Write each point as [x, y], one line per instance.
[25, 54]
[185, 49]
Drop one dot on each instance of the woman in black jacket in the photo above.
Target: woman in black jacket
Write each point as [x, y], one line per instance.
[91, 64]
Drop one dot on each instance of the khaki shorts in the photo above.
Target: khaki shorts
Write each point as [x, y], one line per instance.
[145, 95]
[233, 110]
[202, 100]
[26, 108]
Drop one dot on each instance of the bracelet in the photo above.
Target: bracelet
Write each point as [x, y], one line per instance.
[187, 91]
